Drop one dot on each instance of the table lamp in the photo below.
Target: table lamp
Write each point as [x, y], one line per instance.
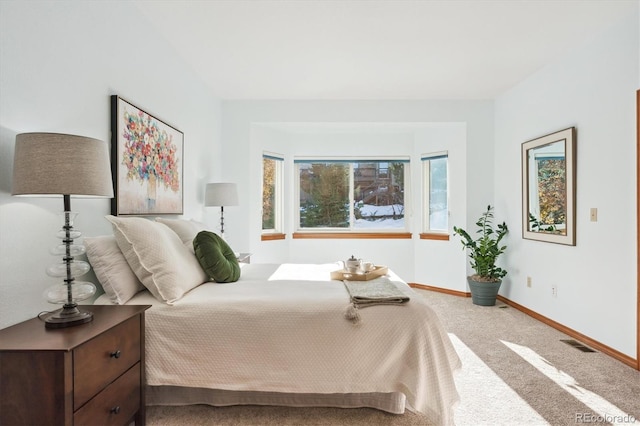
[53, 164]
[221, 194]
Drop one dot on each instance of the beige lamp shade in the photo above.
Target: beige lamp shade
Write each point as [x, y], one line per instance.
[54, 163]
[221, 194]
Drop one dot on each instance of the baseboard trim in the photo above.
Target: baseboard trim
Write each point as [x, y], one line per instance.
[440, 290]
[625, 359]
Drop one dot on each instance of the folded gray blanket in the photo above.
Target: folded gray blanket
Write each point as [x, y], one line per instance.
[379, 291]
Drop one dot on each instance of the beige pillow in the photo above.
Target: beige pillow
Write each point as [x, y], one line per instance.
[186, 229]
[158, 257]
[111, 268]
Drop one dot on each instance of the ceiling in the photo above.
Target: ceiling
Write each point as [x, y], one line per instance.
[375, 49]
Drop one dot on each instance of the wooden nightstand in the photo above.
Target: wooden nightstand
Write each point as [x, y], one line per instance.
[87, 374]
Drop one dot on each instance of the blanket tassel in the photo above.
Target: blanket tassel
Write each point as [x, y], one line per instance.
[352, 314]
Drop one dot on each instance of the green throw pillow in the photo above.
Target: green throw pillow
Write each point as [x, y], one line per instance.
[216, 257]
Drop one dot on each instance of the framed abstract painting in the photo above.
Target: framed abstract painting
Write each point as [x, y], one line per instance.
[146, 162]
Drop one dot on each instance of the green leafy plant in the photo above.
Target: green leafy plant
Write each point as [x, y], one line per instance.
[485, 250]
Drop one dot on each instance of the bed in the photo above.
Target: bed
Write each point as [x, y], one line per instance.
[280, 335]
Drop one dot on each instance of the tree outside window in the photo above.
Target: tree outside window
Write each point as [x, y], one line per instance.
[271, 193]
[324, 195]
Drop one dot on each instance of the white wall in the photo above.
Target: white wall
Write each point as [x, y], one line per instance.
[352, 128]
[440, 262]
[60, 61]
[592, 88]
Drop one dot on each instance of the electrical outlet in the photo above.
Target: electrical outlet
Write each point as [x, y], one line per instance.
[528, 281]
[554, 290]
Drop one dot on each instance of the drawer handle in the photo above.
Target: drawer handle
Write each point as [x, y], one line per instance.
[116, 355]
[115, 410]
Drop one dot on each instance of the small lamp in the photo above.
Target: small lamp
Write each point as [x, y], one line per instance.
[49, 164]
[221, 194]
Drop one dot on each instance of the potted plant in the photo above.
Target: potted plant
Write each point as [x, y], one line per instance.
[484, 252]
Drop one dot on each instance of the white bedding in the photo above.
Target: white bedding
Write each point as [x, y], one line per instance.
[282, 329]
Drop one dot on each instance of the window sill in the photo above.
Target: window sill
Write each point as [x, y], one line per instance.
[353, 235]
[434, 236]
[274, 236]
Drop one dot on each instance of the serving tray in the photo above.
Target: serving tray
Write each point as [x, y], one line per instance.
[377, 271]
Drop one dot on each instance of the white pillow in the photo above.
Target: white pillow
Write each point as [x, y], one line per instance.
[111, 268]
[158, 257]
[186, 229]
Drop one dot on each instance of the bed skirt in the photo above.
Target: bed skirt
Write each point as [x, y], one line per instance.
[392, 402]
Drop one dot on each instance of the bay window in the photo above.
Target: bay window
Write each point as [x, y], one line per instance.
[272, 194]
[435, 193]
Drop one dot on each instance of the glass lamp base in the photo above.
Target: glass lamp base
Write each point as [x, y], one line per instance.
[67, 317]
[59, 293]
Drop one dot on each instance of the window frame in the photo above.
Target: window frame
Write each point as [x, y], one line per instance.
[427, 231]
[352, 231]
[278, 231]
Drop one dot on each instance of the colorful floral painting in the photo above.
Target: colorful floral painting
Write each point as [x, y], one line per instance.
[148, 156]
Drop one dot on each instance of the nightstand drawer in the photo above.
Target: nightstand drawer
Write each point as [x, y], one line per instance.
[115, 405]
[101, 360]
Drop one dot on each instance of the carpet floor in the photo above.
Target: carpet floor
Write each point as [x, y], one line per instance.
[516, 371]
